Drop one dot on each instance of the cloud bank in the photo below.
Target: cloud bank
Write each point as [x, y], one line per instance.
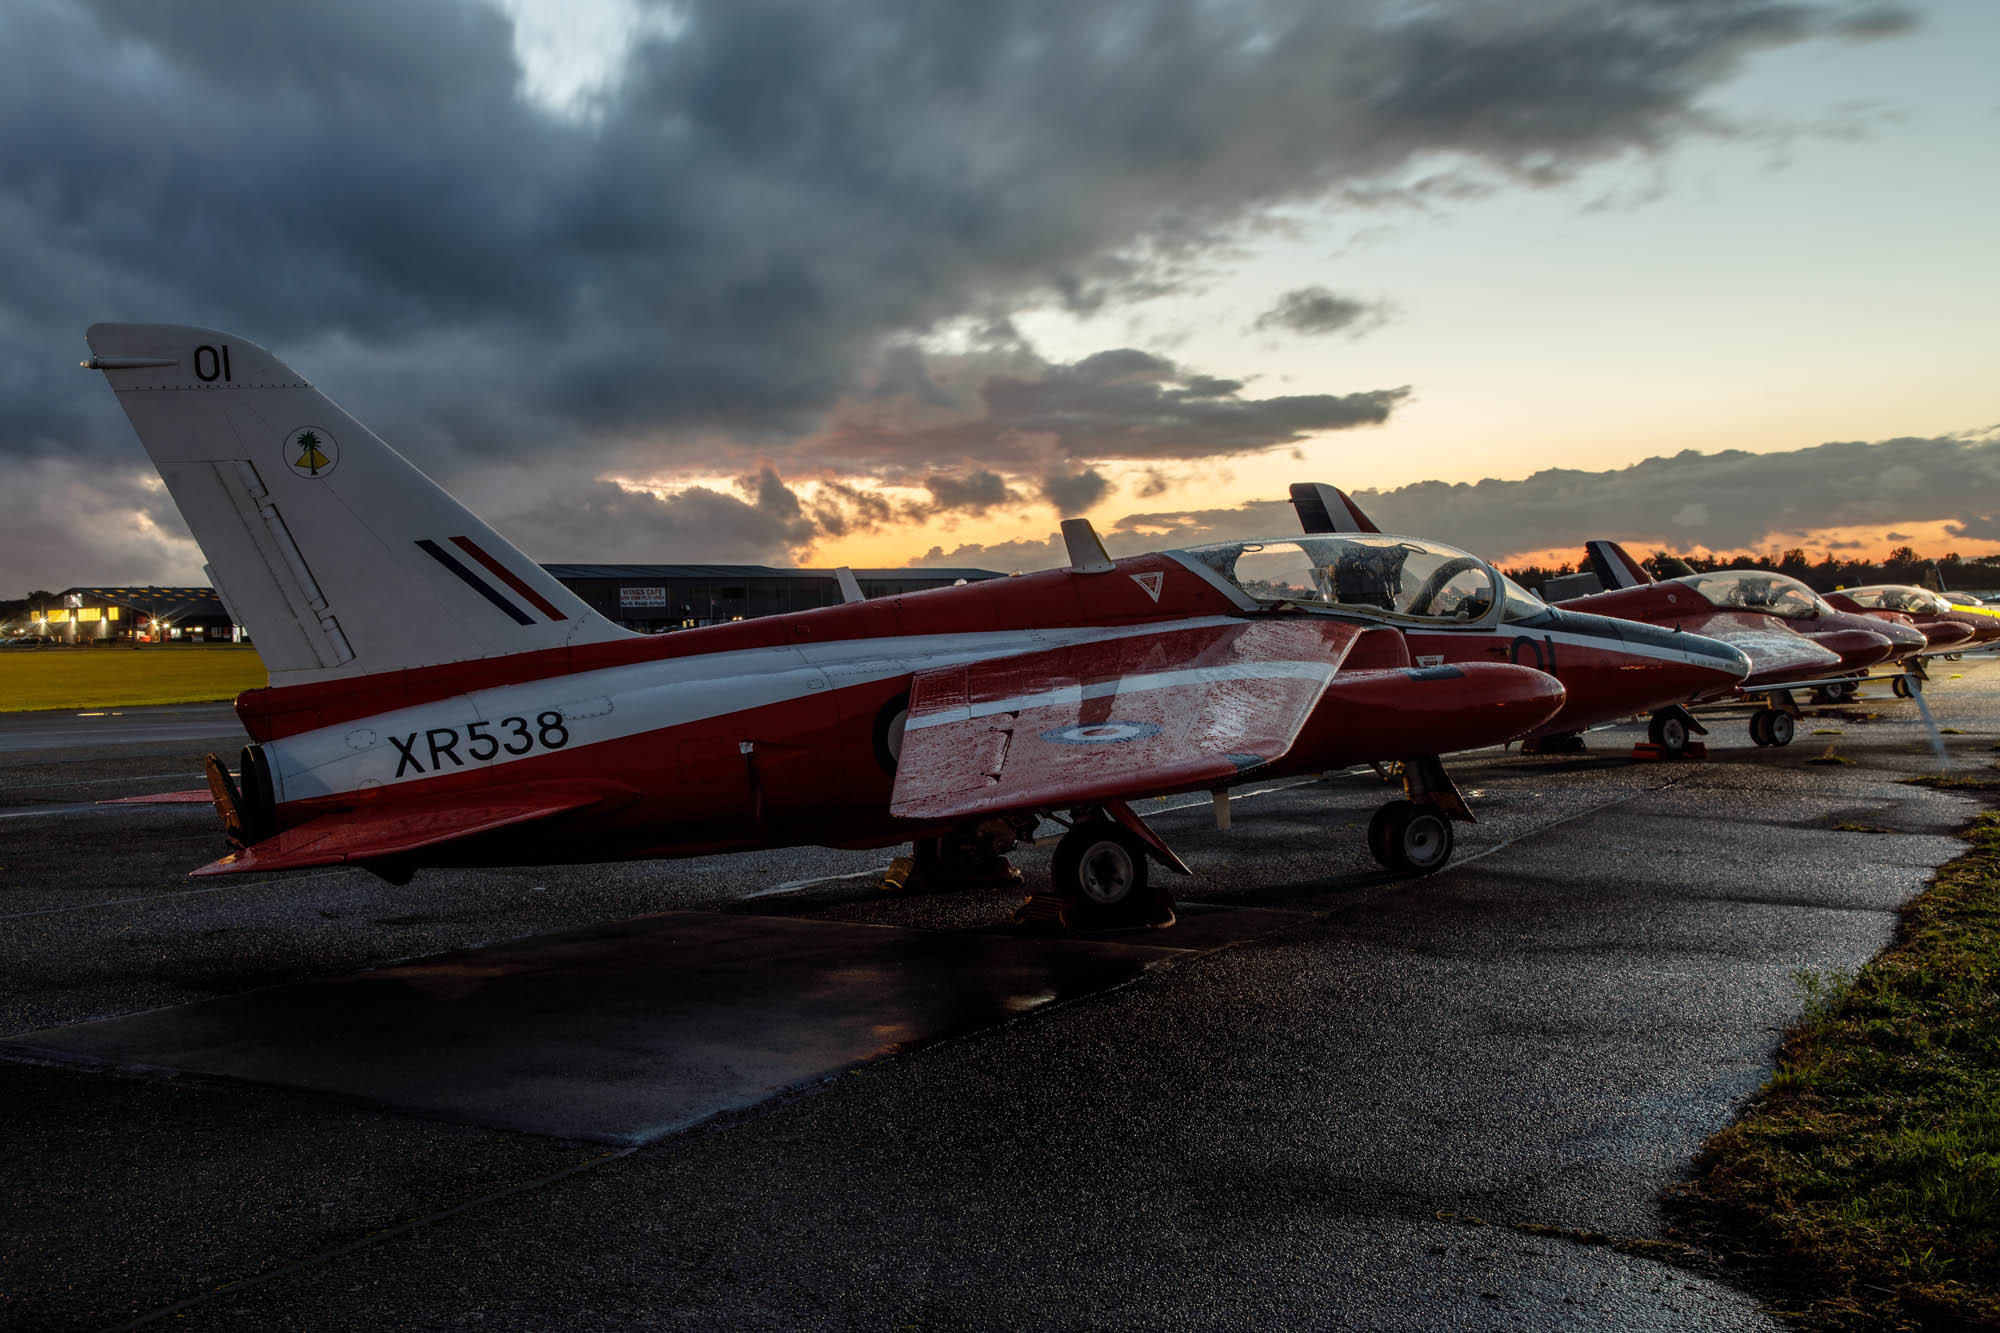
[1721, 501]
[724, 254]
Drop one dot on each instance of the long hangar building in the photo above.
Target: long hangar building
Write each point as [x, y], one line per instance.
[648, 598]
[663, 597]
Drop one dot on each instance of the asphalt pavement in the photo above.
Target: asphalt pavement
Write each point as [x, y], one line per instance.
[761, 1093]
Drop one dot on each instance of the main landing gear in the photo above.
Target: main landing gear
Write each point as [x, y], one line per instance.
[1100, 877]
[1414, 835]
[1772, 726]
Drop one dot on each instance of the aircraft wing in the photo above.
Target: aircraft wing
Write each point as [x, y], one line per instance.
[374, 833]
[1772, 647]
[1178, 708]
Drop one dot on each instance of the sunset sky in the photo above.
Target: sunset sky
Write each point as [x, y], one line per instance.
[871, 283]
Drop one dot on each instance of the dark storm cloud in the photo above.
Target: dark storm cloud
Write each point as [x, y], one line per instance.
[692, 274]
[972, 493]
[602, 521]
[1123, 404]
[1315, 310]
[1074, 492]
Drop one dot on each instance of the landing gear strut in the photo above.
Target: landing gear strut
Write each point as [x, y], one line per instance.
[1414, 835]
[969, 856]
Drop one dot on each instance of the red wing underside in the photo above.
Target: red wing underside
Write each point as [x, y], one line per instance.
[372, 834]
[1129, 717]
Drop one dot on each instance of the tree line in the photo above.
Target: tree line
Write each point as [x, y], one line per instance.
[1902, 565]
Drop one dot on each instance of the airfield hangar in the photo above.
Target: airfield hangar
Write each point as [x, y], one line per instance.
[655, 598]
[648, 598]
[146, 614]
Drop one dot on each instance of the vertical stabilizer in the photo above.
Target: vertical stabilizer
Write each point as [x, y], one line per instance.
[1615, 566]
[337, 555]
[1086, 549]
[1323, 508]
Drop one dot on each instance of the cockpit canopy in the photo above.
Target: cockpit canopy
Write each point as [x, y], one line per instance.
[1898, 597]
[1756, 590]
[1369, 574]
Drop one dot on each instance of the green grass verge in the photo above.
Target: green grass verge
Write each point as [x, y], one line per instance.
[32, 678]
[1863, 1182]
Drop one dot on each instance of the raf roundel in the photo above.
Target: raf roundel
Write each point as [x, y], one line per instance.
[311, 452]
[1100, 733]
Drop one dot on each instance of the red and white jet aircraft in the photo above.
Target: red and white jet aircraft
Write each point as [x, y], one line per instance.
[1788, 630]
[437, 698]
[1943, 625]
[1610, 668]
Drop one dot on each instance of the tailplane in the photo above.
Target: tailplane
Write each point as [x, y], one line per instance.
[338, 556]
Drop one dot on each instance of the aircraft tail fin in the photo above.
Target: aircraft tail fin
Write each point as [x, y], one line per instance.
[1615, 566]
[334, 552]
[1323, 508]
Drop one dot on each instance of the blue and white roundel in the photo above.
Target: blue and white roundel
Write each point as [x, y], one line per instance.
[1099, 733]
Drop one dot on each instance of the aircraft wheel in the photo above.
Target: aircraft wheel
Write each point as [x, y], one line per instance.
[1844, 690]
[1760, 727]
[1100, 866]
[1408, 836]
[1669, 731]
[1778, 730]
[1900, 687]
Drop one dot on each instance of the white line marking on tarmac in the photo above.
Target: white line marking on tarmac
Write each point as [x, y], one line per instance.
[175, 893]
[99, 782]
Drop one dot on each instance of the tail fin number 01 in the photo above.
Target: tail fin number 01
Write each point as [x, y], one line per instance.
[211, 363]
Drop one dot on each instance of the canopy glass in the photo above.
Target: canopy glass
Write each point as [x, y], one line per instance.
[1369, 574]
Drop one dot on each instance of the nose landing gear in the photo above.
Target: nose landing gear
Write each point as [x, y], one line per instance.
[1414, 835]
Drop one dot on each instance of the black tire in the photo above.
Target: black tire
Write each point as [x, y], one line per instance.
[1780, 729]
[1760, 727]
[1101, 867]
[1378, 832]
[1415, 839]
[1843, 690]
[1900, 686]
[1669, 731]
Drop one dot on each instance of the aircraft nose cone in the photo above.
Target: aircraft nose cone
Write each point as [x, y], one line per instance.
[1906, 638]
[1945, 633]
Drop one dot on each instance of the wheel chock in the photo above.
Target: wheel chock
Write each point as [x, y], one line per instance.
[1052, 913]
[1047, 911]
[899, 874]
[1648, 750]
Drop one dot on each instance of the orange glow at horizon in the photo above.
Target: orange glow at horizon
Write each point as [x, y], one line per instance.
[1929, 539]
